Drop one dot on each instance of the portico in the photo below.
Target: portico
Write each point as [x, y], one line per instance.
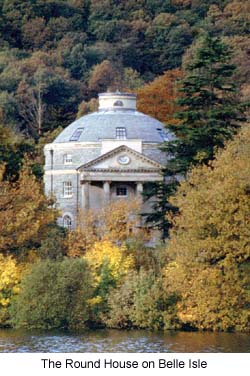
[105, 179]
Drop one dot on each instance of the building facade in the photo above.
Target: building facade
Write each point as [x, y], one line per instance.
[105, 156]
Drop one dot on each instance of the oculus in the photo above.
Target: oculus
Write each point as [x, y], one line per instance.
[123, 159]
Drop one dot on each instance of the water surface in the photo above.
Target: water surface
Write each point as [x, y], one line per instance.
[122, 341]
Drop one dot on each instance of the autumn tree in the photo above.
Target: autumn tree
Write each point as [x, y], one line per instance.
[109, 264]
[115, 222]
[100, 239]
[103, 77]
[158, 98]
[24, 212]
[10, 276]
[209, 242]
[85, 108]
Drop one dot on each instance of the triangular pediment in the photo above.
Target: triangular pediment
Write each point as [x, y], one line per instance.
[121, 158]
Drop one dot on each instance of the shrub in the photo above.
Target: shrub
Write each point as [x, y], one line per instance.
[141, 302]
[109, 263]
[9, 280]
[54, 295]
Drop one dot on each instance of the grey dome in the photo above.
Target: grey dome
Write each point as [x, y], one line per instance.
[102, 125]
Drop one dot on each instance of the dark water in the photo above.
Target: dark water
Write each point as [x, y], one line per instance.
[123, 341]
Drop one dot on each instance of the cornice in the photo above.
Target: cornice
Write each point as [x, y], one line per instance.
[115, 151]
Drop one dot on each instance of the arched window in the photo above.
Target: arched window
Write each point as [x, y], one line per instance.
[118, 104]
[67, 222]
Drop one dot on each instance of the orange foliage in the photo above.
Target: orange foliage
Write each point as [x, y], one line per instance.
[157, 98]
[114, 223]
[103, 77]
[24, 211]
[181, 3]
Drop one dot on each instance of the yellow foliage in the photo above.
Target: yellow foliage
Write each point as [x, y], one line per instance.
[95, 300]
[105, 252]
[117, 219]
[10, 275]
[209, 241]
[23, 210]
[214, 206]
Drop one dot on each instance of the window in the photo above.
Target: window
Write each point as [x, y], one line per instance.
[76, 135]
[118, 103]
[67, 189]
[162, 134]
[121, 191]
[67, 222]
[67, 159]
[121, 133]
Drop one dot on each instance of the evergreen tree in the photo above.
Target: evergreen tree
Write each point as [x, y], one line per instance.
[210, 112]
[210, 115]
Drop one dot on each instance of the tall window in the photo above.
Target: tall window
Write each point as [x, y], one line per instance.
[67, 222]
[76, 135]
[67, 159]
[121, 133]
[67, 189]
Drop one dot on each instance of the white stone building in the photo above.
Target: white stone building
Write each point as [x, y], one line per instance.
[104, 156]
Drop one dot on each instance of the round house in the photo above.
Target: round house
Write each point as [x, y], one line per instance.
[108, 155]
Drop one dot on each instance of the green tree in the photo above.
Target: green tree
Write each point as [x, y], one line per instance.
[54, 295]
[210, 114]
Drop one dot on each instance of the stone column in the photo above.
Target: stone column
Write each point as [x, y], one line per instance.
[106, 189]
[139, 190]
[85, 195]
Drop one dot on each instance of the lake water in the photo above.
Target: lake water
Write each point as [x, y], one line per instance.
[123, 341]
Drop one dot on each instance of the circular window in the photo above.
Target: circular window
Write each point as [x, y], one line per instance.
[123, 159]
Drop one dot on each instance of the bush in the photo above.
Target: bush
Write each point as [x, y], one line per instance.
[53, 246]
[54, 295]
[10, 274]
[109, 264]
[140, 302]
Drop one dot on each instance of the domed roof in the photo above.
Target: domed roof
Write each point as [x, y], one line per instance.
[117, 117]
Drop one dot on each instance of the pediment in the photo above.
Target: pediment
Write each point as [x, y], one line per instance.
[121, 158]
